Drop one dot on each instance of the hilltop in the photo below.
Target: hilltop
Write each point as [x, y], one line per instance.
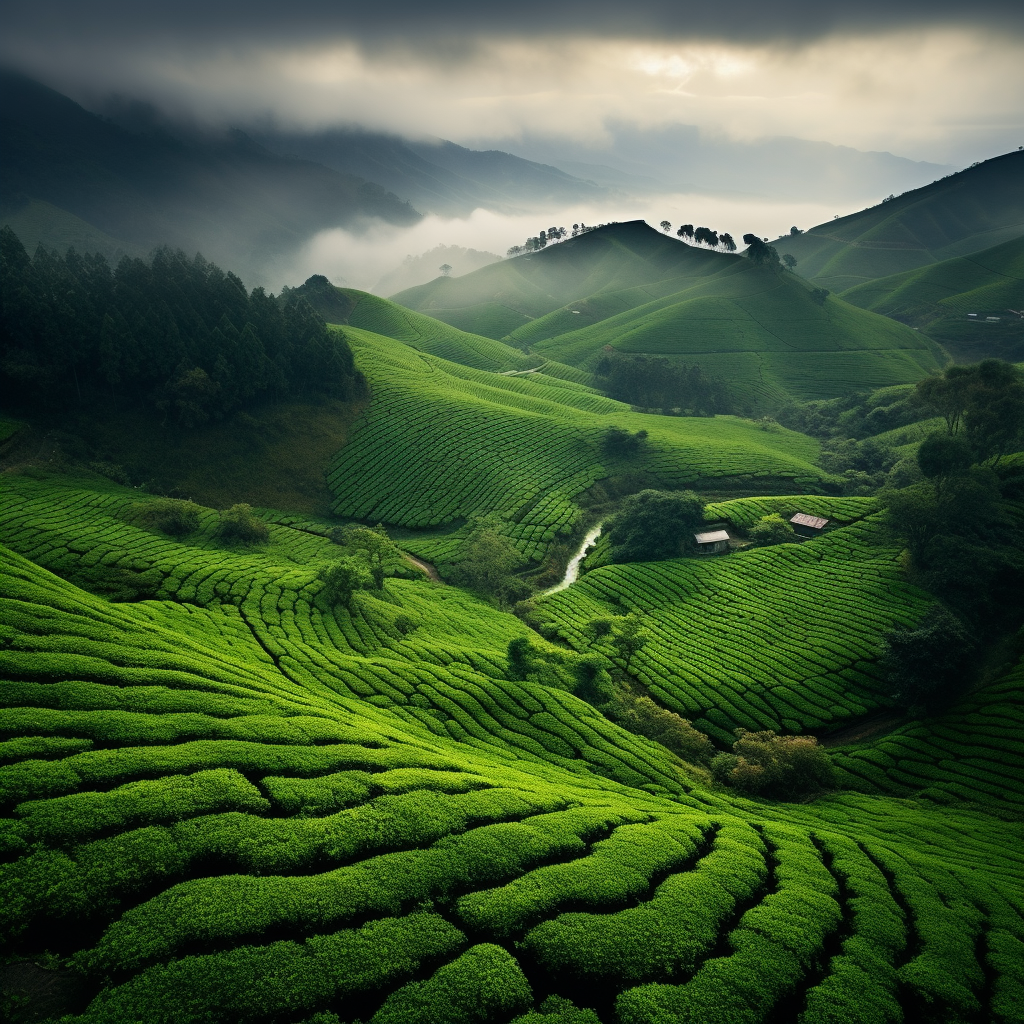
[962, 213]
[631, 289]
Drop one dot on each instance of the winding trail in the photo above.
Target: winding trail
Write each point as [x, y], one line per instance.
[422, 566]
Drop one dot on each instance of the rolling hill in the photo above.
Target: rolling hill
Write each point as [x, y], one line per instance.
[234, 803]
[952, 302]
[471, 430]
[629, 288]
[960, 214]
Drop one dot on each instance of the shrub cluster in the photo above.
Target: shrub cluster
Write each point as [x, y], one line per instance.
[766, 764]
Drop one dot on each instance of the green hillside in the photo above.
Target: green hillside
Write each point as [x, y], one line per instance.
[939, 297]
[233, 803]
[630, 288]
[621, 266]
[961, 214]
[464, 442]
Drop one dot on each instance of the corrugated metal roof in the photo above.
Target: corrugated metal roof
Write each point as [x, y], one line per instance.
[714, 537]
[802, 519]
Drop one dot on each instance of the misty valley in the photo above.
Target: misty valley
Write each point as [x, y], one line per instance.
[626, 629]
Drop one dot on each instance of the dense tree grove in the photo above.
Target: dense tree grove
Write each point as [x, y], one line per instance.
[956, 520]
[654, 524]
[175, 334]
[654, 383]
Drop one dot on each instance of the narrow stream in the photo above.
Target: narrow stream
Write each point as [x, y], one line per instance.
[572, 570]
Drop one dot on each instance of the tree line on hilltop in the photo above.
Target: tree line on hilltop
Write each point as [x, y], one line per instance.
[173, 334]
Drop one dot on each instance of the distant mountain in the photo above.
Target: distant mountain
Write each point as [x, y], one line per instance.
[438, 176]
[971, 304]
[630, 289]
[420, 269]
[683, 158]
[233, 199]
[962, 213]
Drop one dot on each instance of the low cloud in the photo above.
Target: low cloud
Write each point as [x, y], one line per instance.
[940, 94]
[361, 260]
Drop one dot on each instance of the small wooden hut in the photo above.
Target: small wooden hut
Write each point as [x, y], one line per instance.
[807, 526]
[712, 543]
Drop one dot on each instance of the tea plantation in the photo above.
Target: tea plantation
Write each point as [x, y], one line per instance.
[463, 442]
[228, 800]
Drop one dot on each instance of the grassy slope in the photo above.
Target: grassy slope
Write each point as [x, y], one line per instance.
[938, 297]
[964, 213]
[38, 223]
[763, 334]
[252, 809]
[636, 290]
[463, 442]
[609, 261]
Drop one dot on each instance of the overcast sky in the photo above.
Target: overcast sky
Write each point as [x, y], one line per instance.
[929, 79]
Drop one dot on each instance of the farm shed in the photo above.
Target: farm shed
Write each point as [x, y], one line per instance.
[807, 526]
[712, 542]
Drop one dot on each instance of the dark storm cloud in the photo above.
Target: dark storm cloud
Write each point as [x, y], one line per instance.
[210, 21]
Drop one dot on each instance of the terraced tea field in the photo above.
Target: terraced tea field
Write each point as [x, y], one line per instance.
[781, 638]
[232, 803]
[464, 442]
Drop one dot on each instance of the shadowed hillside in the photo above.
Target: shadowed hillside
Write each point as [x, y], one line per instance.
[963, 213]
[941, 297]
[229, 197]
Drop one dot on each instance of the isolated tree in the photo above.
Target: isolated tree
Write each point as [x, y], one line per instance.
[173, 516]
[630, 637]
[727, 240]
[654, 524]
[766, 764]
[761, 253]
[789, 259]
[445, 269]
[771, 529]
[242, 524]
[342, 578]
[794, 230]
[819, 295]
[487, 566]
[666, 225]
[376, 546]
[642, 716]
[685, 231]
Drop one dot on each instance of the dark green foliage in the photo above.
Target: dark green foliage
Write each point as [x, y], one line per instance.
[761, 253]
[661, 385]
[642, 716]
[771, 529]
[173, 516]
[766, 764]
[240, 523]
[342, 578]
[629, 637]
[619, 443]
[942, 455]
[983, 403]
[174, 333]
[487, 565]
[655, 524]
[928, 666]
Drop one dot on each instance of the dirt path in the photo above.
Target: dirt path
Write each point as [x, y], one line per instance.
[422, 566]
